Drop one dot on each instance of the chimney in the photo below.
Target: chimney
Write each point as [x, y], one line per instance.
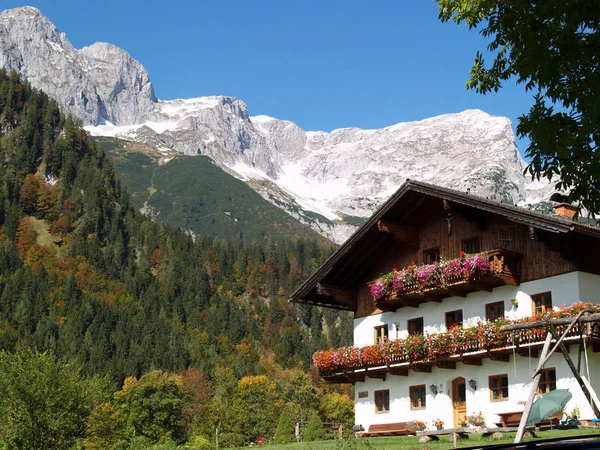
[563, 208]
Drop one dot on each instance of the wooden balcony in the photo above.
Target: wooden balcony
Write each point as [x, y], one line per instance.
[472, 354]
[505, 265]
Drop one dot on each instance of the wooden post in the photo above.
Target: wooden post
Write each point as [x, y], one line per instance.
[583, 386]
[558, 344]
[532, 391]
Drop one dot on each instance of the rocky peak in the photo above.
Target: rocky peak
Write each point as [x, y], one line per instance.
[97, 84]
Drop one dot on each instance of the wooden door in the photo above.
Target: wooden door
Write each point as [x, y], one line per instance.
[459, 400]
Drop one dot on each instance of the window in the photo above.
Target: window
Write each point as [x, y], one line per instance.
[547, 381]
[415, 326]
[541, 302]
[454, 318]
[471, 245]
[381, 334]
[498, 387]
[432, 255]
[494, 311]
[417, 397]
[382, 401]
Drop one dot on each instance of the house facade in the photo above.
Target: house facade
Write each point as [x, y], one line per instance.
[416, 353]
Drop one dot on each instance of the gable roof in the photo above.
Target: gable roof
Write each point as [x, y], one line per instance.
[348, 264]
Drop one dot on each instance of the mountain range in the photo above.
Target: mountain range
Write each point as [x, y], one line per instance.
[330, 181]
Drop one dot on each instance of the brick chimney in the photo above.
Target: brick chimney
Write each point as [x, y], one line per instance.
[563, 208]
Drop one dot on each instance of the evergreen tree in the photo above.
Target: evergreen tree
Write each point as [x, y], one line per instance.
[314, 431]
[284, 434]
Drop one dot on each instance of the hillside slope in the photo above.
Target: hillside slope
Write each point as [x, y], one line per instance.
[196, 195]
[85, 275]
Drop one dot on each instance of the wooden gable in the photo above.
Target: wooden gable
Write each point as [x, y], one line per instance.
[422, 218]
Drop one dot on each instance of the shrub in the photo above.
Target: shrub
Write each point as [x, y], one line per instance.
[284, 434]
[314, 430]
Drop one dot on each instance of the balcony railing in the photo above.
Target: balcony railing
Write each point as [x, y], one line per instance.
[455, 345]
[446, 278]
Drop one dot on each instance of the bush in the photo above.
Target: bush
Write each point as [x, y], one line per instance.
[227, 440]
[314, 430]
[285, 430]
[44, 401]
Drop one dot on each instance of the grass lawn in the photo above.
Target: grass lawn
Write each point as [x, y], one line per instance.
[412, 442]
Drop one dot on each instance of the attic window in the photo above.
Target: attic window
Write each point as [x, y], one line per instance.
[471, 245]
[432, 255]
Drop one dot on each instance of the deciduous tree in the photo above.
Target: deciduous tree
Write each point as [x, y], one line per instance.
[551, 47]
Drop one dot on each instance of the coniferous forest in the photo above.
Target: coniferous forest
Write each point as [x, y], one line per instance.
[120, 332]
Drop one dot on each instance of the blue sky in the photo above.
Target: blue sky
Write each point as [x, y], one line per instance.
[321, 64]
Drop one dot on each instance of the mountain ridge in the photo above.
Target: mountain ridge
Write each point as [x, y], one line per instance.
[328, 180]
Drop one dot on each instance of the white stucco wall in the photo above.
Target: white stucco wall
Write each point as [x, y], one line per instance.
[566, 289]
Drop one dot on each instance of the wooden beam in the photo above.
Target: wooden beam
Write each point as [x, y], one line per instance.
[403, 233]
[572, 322]
[342, 295]
[583, 386]
[544, 323]
[446, 365]
[527, 352]
[401, 371]
[454, 292]
[421, 368]
[496, 356]
[533, 390]
[471, 361]
[379, 375]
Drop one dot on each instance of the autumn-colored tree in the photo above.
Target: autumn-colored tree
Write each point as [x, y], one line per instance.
[26, 236]
[61, 226]
[255, 406]
[30, 191]
[105, 427]
[152, 406]
[338, 408]
[46, 202]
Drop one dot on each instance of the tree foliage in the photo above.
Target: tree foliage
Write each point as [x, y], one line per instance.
[44, 402]
[552, 47]
[152, 406]
[284, 434]
[314, 431]
[200, 327]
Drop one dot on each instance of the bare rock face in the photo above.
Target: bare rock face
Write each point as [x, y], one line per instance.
[97, 84]
[330, 181]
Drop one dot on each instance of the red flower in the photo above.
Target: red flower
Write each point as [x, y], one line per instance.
[461, 254]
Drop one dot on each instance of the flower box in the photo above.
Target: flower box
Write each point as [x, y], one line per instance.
[444, 278]
[457, 341]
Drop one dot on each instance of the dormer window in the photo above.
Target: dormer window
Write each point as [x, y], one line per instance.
[432, 255]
